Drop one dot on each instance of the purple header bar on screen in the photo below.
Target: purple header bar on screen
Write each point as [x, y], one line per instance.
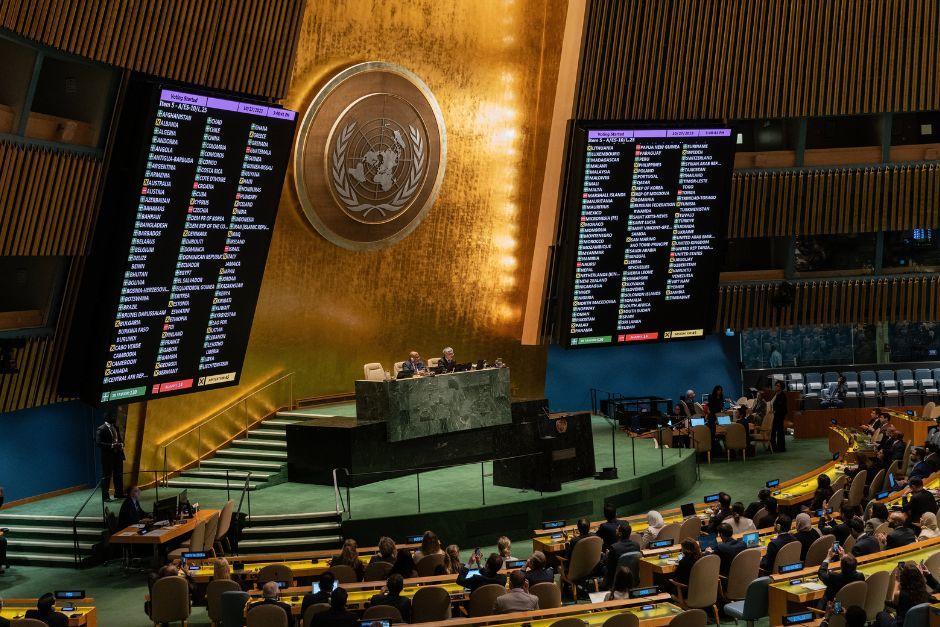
[168, 95]
[653, 133]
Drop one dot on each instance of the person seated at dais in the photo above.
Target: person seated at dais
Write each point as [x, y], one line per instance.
[414, 364]
[448, 362]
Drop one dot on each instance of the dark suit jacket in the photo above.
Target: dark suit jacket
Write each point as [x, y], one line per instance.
[280, 604]
[312, 599]
[4, 622]
[767, 562]
[613, 555]
[727, 551]
[902, 536]
[446, 366]
[607, 531]
[921, 469]
[835, 528]
[836, 581]
[53, 619]
[480, 580]
[919, 503]
[105, 439]
[542, 575]
[408, 366]
[865, 545]
[806, 539]
[131, 513]
[400, 602]
[717, 519]
[334, 618]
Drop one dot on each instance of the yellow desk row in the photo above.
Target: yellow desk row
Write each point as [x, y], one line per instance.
[663, 562]
[84, 615]
[359, 598]
[913, 428]
[783, 593]
[932, 483]
[300, 568]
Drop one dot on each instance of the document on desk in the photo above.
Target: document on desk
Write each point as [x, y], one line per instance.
[159, 532]
[814, 585]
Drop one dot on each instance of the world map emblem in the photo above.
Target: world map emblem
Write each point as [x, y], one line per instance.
[370, 156]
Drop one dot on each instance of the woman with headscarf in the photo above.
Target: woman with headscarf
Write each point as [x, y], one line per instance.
[805, 533]
[928, 526]
[654, 524]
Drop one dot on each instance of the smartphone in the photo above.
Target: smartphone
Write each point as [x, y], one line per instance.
[837, 607]
[835, 546]
[478, 551]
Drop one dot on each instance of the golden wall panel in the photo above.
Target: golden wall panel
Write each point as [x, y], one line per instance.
[851, 301]
[239, 45]
[728, 59]
[460, 278]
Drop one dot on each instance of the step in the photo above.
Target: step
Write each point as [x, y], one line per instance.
[235, 476]
[275, 434]
[194, 482]
[274, 518]
[244, 545]
[27, 530]
[286, 529]
[261, 443]
[241, 464]
[280, 422]
[18, 557]
[51, 519]
[61, 545]
[252, 453]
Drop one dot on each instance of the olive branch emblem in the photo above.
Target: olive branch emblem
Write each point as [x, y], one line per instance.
[347, 194]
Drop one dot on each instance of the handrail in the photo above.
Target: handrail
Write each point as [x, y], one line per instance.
[78, 558]
[338, 497]
[240, 401]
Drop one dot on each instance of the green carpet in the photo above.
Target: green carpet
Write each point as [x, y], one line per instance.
[119, 596]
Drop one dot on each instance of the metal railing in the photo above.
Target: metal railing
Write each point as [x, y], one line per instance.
[211, 434]
[341, 505]
[75, 545]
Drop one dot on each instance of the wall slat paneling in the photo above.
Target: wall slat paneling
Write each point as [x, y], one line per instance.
[245, 46]
[863, 301]
[757, 58]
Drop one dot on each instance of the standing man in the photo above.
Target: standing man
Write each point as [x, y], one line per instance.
[108, 438]
[778, 431]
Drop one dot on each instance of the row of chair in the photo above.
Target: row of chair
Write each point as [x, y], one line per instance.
[869, 388]
[376, 372]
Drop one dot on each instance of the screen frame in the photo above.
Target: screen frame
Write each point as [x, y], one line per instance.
[564, 251]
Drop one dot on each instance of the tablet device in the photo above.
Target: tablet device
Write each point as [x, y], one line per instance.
[892, 483]
[514, 564]
[473, 572]
[883, 495]
[752, 539]
[823, 512]
[315, 588]
[791, 568]
[708, 542]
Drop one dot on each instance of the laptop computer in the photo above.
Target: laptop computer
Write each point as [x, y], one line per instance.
[698, 422]
[405, 374]
[687, 510]
[724, 420]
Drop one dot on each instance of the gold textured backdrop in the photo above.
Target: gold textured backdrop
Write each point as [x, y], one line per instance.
[460, 278]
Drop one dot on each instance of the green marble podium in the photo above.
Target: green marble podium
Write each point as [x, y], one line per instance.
[431, 405]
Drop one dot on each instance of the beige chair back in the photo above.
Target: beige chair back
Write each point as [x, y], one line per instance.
[857, 489]
[876, 592]
[933, 564]
[703, 582]
[212, 525]
[430, 604]
[373, 372]
[848, 544]
[906, 460]
[377, 571]
[275, 572]
[267, 615]
[840, 483]
[214, 597]
[225, 520]
[548, 593]
[343, 573]
[699, 410]
[624, 619]
[835, 501]
[818, 550]
[745, 568]
[689, 618]
[169, 600]
[398, 365]
[670, 532]
[569, 622]
[584, 558]
[884, 528]
[665, 437]
[894, 468]
[27, 622]
[426, 566]
[876, 483]
[736, 438]
[703, 439]
[760, 515]
[197, 540]
[690, 528]
[853, 594]
[484, 598]
[433, 363]
[313, 610]
[383, 612]
[788, 554]
[928, 410]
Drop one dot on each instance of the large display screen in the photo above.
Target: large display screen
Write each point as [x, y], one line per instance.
[191, 197]
[645, 219]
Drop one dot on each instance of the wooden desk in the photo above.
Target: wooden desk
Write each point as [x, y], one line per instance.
[84, 615]
[850, 443]
[359, 596]
[159, 537]
[799, 490]
[913, 428]
[812, 423]
[592, 613]
[782, 595]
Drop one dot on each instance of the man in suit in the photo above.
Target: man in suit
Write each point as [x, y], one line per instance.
[414, 364]
[518, 598]
[851, 525]
[869, 542]
[901, 534]
[45, 611]
[919, 501]
[488, 574]
[537, 569]
[109, 441]
[728, 548]
[836, 581]
[327, 581]
[607, 531]
[270, 594]
[391, 595]
[833, 397]
[919, 468]
[584, 531]
[131, 511]
[723, 511]
[448, 362]
[621, 547]
[783, 538]
[336, 616]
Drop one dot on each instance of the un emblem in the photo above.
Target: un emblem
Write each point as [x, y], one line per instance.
[370, 156]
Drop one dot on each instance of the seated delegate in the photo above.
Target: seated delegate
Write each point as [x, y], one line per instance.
[448, 362]
[414, 364]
